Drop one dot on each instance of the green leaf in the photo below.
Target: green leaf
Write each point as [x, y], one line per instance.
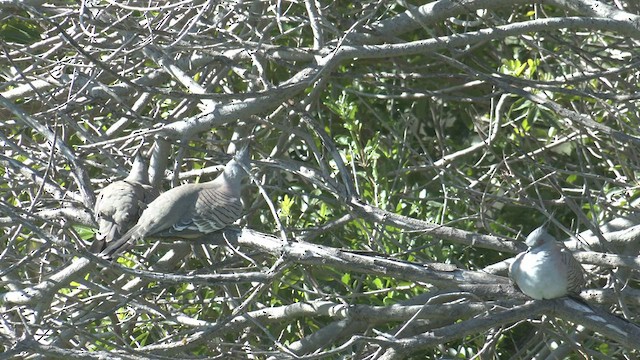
[378, 283]
[85, 232]
[346, 279]
[16, 29]
[285, 206]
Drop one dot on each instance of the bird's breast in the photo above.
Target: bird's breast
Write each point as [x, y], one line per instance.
[541, 276]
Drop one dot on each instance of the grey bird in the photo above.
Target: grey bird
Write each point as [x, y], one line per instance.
[191, 210]
[120, 204]
[547, 270]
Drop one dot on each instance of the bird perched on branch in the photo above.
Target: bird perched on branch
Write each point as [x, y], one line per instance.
[191, 210]
[120, 204]
[547, 270]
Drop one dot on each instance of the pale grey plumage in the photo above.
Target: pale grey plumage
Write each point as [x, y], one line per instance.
[120, 204]
[547, 270]
[191, 210]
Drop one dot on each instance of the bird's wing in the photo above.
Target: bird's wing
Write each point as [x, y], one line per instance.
[117, 209]
[214, 209]
[575, 272]
[514, 268]
[150, 194]
[160, 215]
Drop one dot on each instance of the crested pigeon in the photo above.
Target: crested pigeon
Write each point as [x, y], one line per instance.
[120, 204]
[547, 270]
[191, 210]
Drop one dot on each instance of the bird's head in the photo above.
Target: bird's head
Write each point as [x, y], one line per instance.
[234, 167]
[139, 169]
[539, 237]
[242, 155]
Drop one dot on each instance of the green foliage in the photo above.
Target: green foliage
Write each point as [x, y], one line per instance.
[426, 135]
[85, 232]
[19, 30]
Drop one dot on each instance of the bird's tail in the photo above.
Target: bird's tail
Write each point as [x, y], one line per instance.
[124, 243]
[97, 245]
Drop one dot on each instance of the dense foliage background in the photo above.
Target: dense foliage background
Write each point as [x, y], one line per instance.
[401, 152]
